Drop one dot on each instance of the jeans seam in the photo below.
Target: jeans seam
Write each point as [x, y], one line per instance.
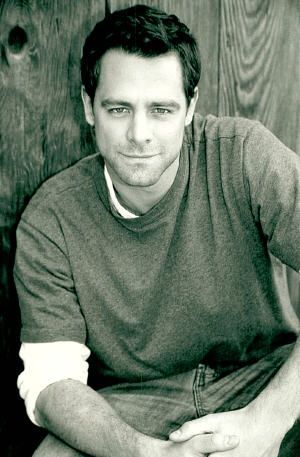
[199, 382]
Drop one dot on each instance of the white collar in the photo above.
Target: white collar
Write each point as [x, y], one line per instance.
[114, 200]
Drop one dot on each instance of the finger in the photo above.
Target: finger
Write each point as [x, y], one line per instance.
[214, 442]
[194, 427]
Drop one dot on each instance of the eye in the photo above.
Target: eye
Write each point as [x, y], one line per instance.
[161, 111]
[118, 110]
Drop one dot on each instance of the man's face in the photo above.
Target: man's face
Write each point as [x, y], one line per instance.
[139, 114]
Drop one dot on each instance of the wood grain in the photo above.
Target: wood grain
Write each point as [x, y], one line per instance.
[42, 130]
[251, 67]
[260, 66]
[40, 93]
[202, 17]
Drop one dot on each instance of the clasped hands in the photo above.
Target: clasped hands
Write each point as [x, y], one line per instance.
[247, 432]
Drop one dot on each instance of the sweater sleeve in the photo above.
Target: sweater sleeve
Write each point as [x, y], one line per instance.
[272, 179]
[50, 310]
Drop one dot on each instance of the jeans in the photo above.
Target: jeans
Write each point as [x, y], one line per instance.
[160, 406]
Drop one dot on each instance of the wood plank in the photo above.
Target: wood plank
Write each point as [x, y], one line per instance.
[42, 130]
[202, 17]
[44, 125]
[260, 66]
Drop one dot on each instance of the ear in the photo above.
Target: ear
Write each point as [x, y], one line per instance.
[191, 108]
[88, 107]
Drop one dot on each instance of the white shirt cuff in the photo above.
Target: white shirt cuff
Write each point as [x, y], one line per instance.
[46, 363]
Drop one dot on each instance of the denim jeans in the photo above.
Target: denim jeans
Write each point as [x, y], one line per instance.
[160, 406]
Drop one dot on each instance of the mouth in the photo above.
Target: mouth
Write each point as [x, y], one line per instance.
[135, 156]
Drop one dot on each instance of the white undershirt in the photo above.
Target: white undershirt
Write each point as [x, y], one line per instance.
[114, 200]
[46, 363]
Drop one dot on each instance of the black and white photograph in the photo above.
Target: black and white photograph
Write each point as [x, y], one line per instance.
[150, 228]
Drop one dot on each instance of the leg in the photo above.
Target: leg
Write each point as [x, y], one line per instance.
[155, 407]
[53, 447]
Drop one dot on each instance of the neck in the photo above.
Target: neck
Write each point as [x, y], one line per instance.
[138, 199]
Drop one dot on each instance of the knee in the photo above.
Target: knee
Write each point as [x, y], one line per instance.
[53, 447]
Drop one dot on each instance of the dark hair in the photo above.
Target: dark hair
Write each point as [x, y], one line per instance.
[146, 32]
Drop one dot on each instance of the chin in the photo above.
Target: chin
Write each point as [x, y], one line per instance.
[140, 176]
[140, 181]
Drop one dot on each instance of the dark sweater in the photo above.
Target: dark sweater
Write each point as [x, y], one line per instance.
[189, 282]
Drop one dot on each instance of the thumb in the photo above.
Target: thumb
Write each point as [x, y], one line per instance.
[194, 427]
[212, 442]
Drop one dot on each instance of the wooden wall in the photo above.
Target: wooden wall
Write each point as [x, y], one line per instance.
[251, 67]
[42, 130]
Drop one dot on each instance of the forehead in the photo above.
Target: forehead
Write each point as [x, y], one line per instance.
[124, 74]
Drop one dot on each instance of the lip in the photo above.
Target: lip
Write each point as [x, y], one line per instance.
[138, 156]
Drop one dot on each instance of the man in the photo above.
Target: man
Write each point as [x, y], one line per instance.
[152, 257]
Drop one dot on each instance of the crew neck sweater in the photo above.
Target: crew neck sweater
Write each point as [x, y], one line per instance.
[189, 282]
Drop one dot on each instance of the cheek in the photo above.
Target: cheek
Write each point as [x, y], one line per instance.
[107, 135]
[111, 130]
[172, 134]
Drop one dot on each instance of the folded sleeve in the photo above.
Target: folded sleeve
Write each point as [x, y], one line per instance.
[46, 363]
[272, 180]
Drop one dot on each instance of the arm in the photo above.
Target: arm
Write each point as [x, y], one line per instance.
[281, 398]
[56, 372]
[87, 422]
[262, 424]
[272, 181]
[46, 363]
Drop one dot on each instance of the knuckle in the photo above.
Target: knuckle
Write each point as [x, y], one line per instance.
[186, 427]
[219, 442]
[214, 440]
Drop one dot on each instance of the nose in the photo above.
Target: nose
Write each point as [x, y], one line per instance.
[139, 129]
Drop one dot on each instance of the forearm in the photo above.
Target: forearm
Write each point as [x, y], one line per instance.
[281, 397]
[83, 419]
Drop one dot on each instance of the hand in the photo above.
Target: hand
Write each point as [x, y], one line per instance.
[200, 445]
[260, 434]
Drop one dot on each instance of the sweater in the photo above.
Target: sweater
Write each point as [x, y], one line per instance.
[189, 282]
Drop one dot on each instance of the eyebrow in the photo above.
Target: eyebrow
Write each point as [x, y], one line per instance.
[113, 101]
[166, 103]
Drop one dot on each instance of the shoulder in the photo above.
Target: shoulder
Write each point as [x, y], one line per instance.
[60, 188]
[224, 139]
[234, 137]
[215, 128]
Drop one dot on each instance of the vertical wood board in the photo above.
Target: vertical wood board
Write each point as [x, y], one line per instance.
[260, 66]
[42, 130]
